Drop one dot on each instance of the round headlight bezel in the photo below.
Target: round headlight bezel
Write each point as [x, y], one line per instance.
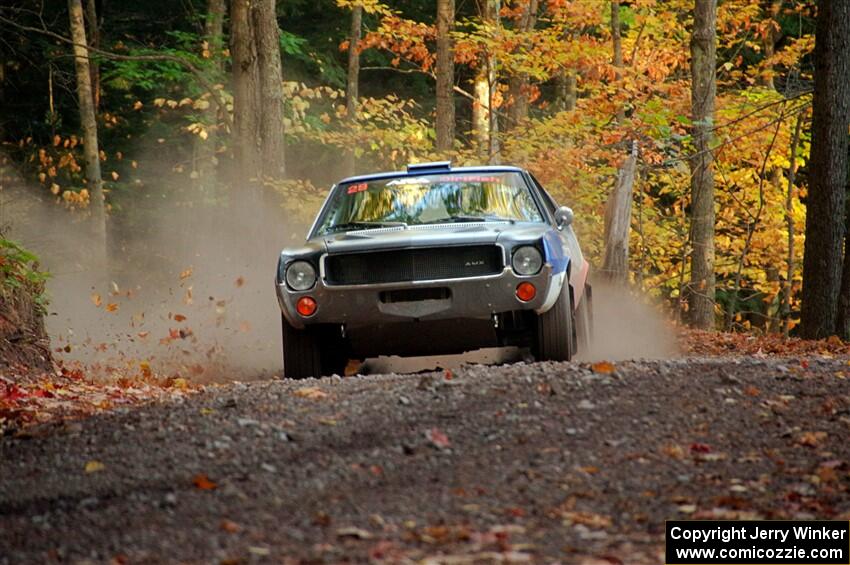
[521, 266]
[296, 283]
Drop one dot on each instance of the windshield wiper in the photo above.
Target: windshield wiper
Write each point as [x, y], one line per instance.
[469, 218]
[363, 225]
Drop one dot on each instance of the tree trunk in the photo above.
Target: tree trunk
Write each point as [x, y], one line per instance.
[246, 91]
[788, 286]
[484, 119]
[205, 149]
[618, 221]
[445, 123]
[93, 26]
[703, 90]
[566, 88]
[213, 30]
[842, 324]
[270, 111]
[822, 259]
[519, 83]
[352, 85]
[480, 110]
[769, 42]
[618, 50]
[88, 122]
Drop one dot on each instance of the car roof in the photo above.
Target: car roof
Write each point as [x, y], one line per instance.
[420, 172]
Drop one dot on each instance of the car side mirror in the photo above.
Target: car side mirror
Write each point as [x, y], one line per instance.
[564, 216]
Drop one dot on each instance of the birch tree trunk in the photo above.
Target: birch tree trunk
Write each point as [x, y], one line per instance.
[445, 122]
[703, 90]
[93, 36]
[825, 211]
[88, 122]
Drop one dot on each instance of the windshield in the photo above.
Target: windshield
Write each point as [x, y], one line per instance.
[429, 199]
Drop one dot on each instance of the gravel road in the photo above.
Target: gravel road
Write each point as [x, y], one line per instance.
[539, 462]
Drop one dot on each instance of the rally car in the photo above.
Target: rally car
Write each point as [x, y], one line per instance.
[433, 260]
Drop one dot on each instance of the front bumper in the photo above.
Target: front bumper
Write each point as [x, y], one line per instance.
[358, 306]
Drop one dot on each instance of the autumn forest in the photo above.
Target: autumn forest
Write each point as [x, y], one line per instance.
[737, 112]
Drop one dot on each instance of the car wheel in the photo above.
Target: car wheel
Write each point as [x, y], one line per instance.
[584, 320]
[555, 336]
[312, 352]
[302, 357]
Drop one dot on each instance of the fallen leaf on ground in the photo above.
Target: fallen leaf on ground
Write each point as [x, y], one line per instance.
[674, 451]
[589, 519]
[311, 392]
[697, 447]
[352, 532]
[603, 367]
[437, 438]
[811, 439]
[94, 466]
[229, 526]
[203, 482]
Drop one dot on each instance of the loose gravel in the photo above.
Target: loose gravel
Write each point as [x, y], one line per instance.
[541, 462]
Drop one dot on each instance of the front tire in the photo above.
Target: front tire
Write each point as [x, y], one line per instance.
[555, 336]
[312, 352]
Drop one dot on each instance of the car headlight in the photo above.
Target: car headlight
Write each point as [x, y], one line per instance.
[300, 275]
[527, 260]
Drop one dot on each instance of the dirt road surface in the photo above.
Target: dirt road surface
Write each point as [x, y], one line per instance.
[541, 463]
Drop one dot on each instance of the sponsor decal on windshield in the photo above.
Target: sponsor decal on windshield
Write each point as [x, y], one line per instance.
[359, 187]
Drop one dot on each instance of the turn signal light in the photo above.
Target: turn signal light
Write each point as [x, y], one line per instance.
[306, 306]
[525, 291]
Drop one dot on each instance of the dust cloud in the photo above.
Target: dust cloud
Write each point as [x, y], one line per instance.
[186, 289]
[627, 325]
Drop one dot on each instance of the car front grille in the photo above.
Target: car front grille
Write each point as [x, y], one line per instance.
[422, 264]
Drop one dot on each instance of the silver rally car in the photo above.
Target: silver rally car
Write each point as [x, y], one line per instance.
[434, 260]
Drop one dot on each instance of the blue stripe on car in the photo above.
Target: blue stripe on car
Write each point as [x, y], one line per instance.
[555, 252]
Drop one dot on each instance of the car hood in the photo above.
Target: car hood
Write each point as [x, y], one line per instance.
[432, 235]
